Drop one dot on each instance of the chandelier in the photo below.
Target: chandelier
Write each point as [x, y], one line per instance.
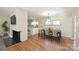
[34, 23]
[48, 21]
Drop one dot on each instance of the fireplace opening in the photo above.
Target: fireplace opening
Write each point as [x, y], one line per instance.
[16, 36]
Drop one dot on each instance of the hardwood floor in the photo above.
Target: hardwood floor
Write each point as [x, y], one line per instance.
[37, 44]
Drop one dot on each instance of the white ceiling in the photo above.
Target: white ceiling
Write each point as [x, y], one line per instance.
[37, 11]
[59, 10]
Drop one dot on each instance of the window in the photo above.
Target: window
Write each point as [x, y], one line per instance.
[48, 22]
[56, 22]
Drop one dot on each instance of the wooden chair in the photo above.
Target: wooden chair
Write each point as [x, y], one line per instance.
[41, 34]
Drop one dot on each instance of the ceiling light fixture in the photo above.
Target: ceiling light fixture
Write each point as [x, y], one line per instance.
[48, 21]
[34, 23]
[50, 13]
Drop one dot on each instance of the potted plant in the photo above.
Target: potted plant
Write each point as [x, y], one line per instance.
[5, 28]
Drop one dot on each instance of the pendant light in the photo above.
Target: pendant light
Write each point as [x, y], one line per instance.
[48, 21]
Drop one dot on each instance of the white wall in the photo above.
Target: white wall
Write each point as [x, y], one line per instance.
[21, 23]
